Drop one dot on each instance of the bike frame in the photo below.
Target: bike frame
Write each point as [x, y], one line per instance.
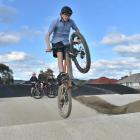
[69, 69]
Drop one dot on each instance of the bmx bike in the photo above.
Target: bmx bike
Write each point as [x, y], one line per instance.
[44, 88]
[79, 53]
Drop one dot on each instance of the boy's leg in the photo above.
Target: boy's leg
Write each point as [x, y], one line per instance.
[65, 66]
[69, 69]
[60, 61]
[60, 54]
[62, 74]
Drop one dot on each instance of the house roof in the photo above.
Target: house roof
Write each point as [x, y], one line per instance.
[134, 78]
[102, 80]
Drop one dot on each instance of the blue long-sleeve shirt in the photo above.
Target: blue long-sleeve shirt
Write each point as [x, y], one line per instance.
[61, 30]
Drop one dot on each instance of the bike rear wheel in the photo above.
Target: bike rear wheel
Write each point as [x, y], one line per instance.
[37, 93]
[81, 52]
[64, 101]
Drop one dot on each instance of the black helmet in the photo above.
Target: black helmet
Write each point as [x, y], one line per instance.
[66, 10]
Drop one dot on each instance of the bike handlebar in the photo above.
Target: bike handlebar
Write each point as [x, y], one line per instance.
[48, 50]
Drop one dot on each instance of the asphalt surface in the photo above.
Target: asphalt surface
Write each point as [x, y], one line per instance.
[26, 118]
[25, 110]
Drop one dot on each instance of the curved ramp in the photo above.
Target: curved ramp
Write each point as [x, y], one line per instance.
[25, 110]
[89, 128]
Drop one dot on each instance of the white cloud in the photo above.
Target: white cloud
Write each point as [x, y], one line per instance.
[110, 68]
[24, 69]
[129, 51]
[126, 46]
[115, 68]
[113, 39]
[13, 56]
[7, 38]
[7, 14]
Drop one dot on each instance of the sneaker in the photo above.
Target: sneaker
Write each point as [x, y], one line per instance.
[62, 76]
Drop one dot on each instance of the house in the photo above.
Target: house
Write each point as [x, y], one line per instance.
[102, 80]
[132, 81]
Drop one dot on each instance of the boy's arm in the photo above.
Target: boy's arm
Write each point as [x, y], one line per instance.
[50, 31]
[74, 27]
[31, 79]
[48, 41]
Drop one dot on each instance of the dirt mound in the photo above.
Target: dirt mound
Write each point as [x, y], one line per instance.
[103, 106]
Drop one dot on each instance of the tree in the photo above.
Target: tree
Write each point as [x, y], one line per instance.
[45, 75]
[124, 77]
[49, 72]
[6, 74]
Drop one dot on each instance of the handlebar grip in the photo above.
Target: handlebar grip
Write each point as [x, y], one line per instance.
[48, 51]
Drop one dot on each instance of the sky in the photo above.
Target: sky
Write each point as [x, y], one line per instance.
[111, 29]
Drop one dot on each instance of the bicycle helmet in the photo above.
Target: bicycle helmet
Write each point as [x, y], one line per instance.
[66, 10]
[33, 74]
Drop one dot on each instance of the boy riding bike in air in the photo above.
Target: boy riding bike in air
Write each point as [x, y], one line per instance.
[60, 28]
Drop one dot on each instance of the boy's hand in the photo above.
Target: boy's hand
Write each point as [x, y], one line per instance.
[77, 41]
[48, 50]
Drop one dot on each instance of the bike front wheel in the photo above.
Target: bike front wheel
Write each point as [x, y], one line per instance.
[80, 50]
[64, 101]
[51, 91]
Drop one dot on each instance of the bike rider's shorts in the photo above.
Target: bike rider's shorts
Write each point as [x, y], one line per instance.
[59, 47]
